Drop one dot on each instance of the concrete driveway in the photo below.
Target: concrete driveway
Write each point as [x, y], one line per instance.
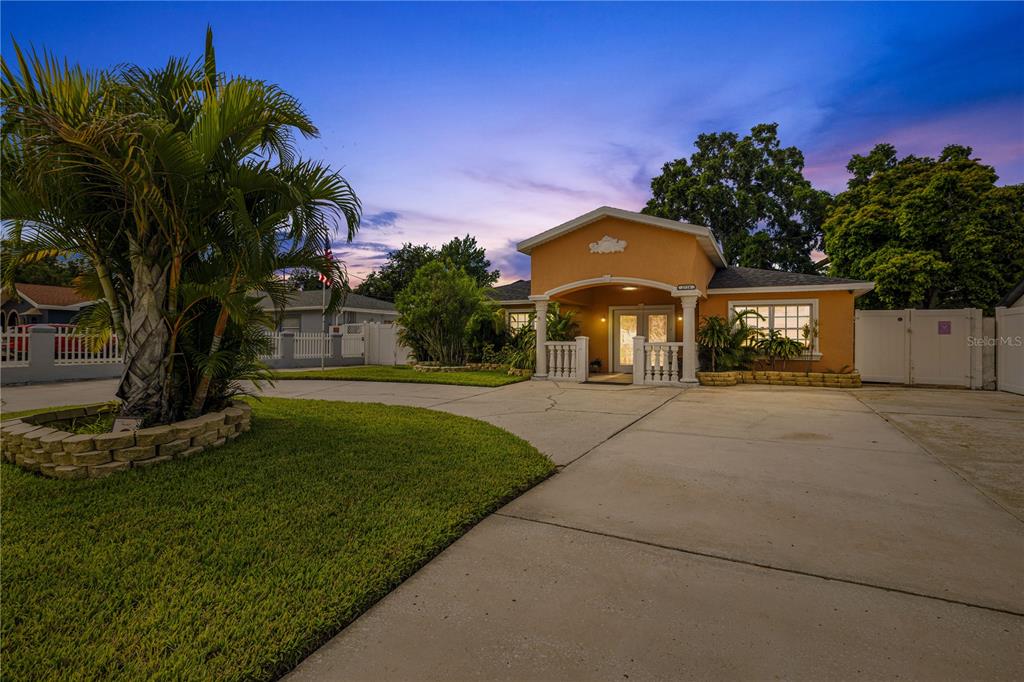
[740, 533]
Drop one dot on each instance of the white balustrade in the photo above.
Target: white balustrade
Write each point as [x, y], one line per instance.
[568, 359]
[71, 348]
[660, 362]
[14, 347]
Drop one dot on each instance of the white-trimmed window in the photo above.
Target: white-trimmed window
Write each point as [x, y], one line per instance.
[517, 319]
[790, 317]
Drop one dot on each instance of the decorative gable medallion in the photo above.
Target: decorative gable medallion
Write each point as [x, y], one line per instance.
[608, 245]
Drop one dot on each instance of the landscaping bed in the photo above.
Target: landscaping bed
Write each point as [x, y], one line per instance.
[774, 378]
[406, 374]
[238, 565]
[40, 443]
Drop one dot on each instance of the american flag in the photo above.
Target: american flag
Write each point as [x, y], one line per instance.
[326, 281]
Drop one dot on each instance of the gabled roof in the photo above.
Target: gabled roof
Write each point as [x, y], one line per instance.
[516, 291]
[704, 235]
[735, 277]
[313, 300]
[50, 297]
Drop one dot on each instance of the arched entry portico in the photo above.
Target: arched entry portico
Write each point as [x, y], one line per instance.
[596, 298]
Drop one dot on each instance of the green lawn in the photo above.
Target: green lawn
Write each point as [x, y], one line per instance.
[403, 374]
[239, 562]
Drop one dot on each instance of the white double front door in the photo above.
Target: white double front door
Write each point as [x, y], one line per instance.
[652, 322]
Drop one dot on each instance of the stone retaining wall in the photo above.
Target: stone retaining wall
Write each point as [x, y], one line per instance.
[820, 379]
[34, 446]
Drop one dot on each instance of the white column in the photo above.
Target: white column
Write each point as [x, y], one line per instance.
[541, 321]
[689, 304]
[582, 358]
[639, 361]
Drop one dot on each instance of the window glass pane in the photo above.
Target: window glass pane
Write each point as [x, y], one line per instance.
[517, 321]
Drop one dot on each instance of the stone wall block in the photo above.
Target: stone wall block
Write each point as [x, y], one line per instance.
[80, 443]
[136, 453]
[91, 458]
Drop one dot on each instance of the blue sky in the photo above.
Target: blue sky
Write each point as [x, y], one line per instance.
[502, 120]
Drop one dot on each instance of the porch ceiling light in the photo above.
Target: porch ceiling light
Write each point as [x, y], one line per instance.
[630, 288]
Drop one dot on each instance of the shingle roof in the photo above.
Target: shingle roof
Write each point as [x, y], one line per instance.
[45, 295]
[313, 299]
[516, 291]
[734, 277]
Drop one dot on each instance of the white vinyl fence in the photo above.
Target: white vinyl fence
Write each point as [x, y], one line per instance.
[14, 350]
[932, 347]
[1009, 344]
[312, 345]
[85, 349]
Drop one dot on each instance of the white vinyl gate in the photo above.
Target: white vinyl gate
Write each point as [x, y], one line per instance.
[931, 347]
[1010, 349]
[381, 345]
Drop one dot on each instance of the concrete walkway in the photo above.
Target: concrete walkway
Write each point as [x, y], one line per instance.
[749, 532]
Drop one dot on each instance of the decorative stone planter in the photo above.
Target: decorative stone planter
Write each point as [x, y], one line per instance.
[774, 378]
[512, 372]
[486, 365]
[34, 446]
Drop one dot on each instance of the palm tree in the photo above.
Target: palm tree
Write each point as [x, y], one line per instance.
[184, 181]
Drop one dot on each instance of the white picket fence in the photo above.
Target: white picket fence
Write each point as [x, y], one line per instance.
[14, 347]
[274, 352]
[71, 349]
[311, 345]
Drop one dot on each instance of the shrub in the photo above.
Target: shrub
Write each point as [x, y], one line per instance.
[774, 346]
[435, 311]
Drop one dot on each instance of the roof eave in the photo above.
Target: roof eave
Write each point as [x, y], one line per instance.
[856, 288]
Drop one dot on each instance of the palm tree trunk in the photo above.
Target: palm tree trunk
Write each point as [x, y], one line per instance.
[145, 339]
[218, 335]
[116, 314]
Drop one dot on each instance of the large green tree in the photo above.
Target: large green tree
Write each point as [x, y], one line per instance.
[402, 264]
[751, 192]
[181, 188]
[931, 233]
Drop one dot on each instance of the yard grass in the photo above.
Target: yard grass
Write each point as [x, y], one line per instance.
[239, 562]
[405, 374]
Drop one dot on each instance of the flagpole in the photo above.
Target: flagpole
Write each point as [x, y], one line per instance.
[323, 309]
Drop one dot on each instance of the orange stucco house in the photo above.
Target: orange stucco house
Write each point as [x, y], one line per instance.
[639, 286]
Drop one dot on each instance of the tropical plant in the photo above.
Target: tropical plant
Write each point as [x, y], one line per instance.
[521, 349]
[809, 333]
[732, 343]
[181, 188]
[775, 346]
[435, 311]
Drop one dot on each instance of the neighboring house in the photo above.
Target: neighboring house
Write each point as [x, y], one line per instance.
[305, 312]
[41, 304]
[1014, 299]
[628, 274]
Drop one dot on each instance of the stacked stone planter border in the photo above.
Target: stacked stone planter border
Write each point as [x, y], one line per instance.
[439, 368]
[34, 446]
[773, 378]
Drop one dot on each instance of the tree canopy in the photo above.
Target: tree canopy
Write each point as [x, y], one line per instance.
[751, 192]
[402, 264]
[931, 233]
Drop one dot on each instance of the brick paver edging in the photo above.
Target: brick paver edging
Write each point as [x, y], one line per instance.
[34, 446]
[820, 379]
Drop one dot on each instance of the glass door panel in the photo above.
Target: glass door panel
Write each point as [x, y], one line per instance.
[626, 327]
[657, 327]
